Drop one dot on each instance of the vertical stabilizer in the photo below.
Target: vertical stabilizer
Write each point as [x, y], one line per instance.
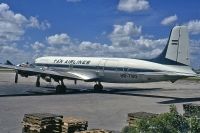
[177, 49]
[178, 45]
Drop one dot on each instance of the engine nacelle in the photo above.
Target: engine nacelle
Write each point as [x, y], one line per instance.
[47, 78]
[23, 74]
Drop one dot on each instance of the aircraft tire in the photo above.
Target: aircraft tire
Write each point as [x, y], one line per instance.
[60, 89]
[98, 87]
[37, 84]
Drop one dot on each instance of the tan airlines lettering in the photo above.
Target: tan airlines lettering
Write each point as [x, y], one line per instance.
[76, 62]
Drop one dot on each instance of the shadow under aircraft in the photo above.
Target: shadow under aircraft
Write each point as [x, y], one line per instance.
[138, 92]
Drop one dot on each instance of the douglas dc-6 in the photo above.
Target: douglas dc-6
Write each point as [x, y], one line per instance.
[172, 64]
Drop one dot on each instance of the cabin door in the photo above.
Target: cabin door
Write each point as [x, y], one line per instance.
[101, 67]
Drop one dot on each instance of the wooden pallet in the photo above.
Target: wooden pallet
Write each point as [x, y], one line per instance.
[42, 123]
[72, 124]
[95, 131]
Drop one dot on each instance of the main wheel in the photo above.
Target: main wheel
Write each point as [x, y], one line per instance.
[98, 87]
[60, 89]
[37, 84]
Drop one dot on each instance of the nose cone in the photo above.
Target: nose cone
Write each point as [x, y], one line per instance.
[41, 60]
[44, 60]
[38, 60]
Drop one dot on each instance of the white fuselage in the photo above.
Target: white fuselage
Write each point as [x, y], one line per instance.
[114, 70]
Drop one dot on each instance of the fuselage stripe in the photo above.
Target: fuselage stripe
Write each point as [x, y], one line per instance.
[96, 67]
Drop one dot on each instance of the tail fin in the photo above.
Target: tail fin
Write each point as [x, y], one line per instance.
[177, 50]
[9, 63]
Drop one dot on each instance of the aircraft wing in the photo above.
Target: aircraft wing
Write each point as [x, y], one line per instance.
[7, 66]
[167, 74]
[31, 71]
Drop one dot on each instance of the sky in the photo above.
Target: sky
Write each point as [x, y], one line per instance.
[100, 28]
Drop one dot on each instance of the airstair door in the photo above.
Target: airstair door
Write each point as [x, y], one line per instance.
[101, 67]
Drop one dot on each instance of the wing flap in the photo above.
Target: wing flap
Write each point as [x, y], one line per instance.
[7, 66]
[86, 76]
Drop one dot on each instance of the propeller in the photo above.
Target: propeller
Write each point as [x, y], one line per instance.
[17, 72]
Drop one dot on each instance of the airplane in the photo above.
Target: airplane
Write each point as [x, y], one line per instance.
[171, 65]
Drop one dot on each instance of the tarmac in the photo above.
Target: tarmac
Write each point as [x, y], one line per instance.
[107, 109]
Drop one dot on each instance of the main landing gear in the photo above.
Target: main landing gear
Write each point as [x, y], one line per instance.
[38, 81]
[16, 76]
[61, 88]
[98, 87]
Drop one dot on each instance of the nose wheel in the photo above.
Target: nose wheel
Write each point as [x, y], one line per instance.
[98, 87]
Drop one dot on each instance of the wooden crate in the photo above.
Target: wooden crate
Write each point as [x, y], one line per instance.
[72, 124]
[42, 123]
[95, 131]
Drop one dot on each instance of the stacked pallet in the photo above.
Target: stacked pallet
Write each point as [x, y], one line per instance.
[95, 131]
[72, 124]
[191, 110]
[133, 117]
[42, 123]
